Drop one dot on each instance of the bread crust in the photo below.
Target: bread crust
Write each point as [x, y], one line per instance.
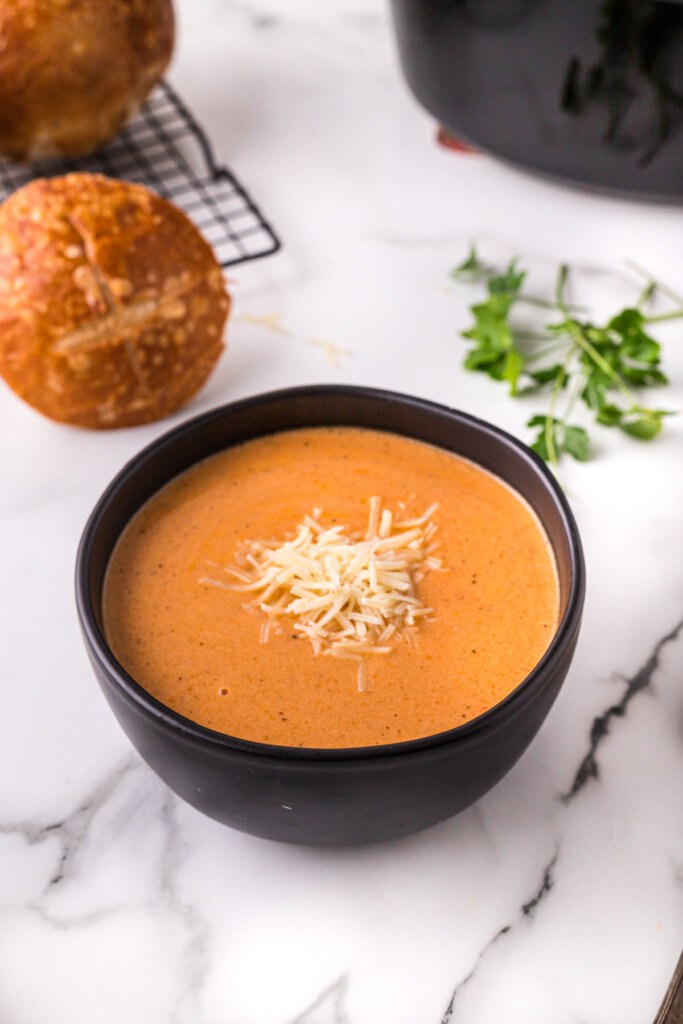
[73, 71]
[112, 304]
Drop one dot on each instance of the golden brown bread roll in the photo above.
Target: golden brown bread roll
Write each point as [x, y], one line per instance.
[112, 305]
[73, 71]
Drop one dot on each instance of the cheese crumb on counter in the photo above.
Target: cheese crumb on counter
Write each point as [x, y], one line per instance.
[332, 353]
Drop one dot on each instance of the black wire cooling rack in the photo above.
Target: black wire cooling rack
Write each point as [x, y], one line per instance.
[165, 149]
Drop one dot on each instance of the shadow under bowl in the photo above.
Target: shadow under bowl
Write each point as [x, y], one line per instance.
[330, 796]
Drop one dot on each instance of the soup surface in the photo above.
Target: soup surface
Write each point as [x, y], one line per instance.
[200, 649]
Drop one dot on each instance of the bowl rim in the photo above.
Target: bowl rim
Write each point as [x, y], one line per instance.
[192, 732]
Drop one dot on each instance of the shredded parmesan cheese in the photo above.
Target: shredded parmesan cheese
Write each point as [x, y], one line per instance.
[350, 595]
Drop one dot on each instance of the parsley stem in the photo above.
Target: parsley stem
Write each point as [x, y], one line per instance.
[646, 294]
[557, 345]
[531, 300]
[519, 332]
[559, 288]
[579, 385]
[534, 357]
[599, 361]
[676, 314]
[581, 339]
[550, 439]
[550, 418]
[663, 288]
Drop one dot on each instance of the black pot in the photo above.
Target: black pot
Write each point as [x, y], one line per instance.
[587, 91]
[330, 797]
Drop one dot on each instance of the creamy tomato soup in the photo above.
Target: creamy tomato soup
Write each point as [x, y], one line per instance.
[489, 590]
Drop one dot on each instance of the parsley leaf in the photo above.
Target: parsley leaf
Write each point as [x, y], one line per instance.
[471, 267]
[575, 443]
[644, 423]
[494, 351]
[555, 436]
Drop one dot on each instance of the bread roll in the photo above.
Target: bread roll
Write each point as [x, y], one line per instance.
[73, 71]
[112, 305]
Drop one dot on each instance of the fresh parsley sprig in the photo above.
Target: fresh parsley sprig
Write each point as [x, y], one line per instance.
[572, 358]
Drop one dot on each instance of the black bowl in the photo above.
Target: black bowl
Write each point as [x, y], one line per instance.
[360, 794]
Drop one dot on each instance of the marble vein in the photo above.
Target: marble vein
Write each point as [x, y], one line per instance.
[527, 911]
[74, 835]
[359, 36]
[257, 17]
[195, 957]
[589, 768]
[329, 1007]
[449, 1015]
[351, 31]
[71, 831]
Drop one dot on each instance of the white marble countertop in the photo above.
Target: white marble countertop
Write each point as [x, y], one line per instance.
[558, 898]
